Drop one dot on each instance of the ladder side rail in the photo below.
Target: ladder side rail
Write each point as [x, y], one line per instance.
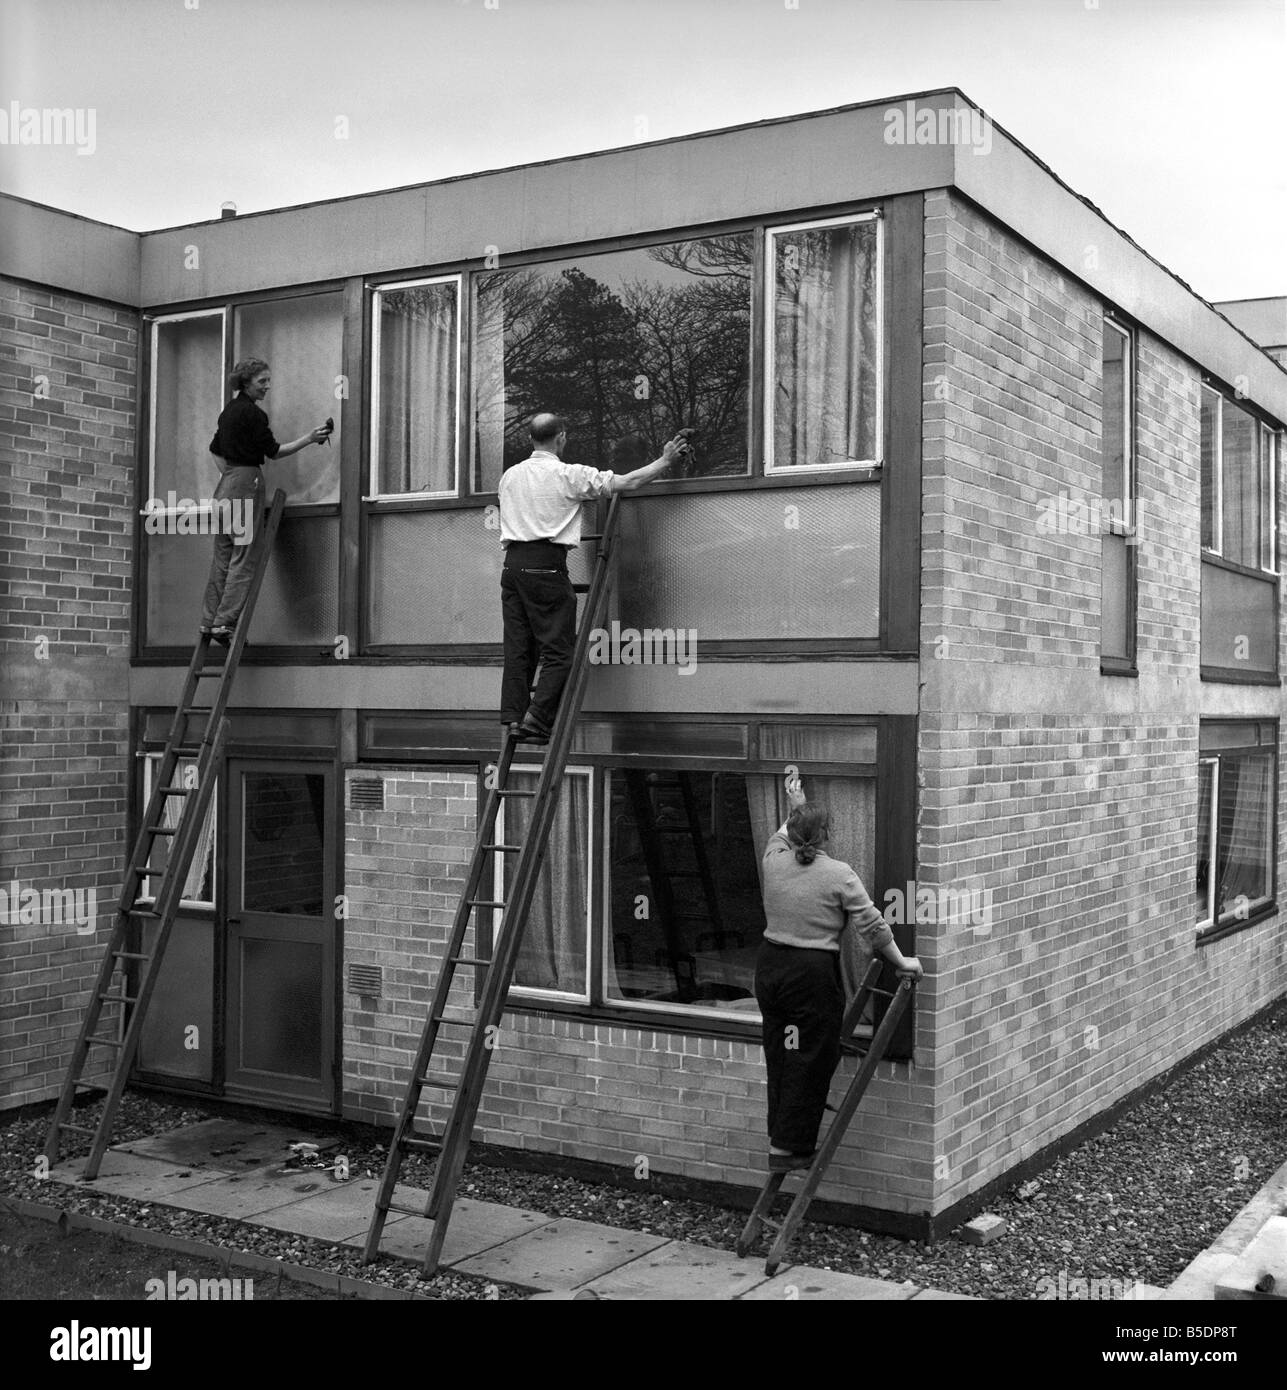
[405, 1122]
[176, 872]
[451, 1160]
[839, 1124]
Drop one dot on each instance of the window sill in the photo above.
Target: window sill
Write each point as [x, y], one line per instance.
[1108, 666]
[1210, 935]
[1228, 676]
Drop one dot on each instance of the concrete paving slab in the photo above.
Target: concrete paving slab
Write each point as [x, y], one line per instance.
[247, 1195]
[476, 1229]
[337, 1211]
[1271, 1200]
[560, 1255]
[1200, 1278]
[127, 1175]
[226, 1146]
[680, 1270]
[1260, 1272]
[817, 1285]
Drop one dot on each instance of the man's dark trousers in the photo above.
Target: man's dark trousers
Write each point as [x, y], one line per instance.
[538, 606]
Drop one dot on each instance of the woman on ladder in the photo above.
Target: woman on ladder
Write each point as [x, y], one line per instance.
[809, 899]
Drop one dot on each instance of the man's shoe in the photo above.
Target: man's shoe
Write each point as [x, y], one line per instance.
[222, 635]
[789, 1163]
[524, 732]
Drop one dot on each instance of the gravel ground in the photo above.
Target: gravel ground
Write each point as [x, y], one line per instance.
[1137, 1202]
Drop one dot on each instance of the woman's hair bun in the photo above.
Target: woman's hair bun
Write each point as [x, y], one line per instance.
[806, 832]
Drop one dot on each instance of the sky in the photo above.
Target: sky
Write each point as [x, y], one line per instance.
[1167, 114]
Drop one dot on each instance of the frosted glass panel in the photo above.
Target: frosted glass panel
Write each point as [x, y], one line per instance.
[281, 1007]
[188, 396]
[183, 999]
[1239, 621]
[435, 577]
[299, 600]
[784, 563]
[302, 340]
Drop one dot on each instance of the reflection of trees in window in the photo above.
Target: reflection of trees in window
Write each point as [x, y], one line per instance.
[628, 352]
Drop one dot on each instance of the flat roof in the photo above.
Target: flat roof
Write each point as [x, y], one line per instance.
[782, 165]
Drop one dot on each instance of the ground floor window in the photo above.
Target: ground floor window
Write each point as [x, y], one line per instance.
[654, 901]
[1237, 778]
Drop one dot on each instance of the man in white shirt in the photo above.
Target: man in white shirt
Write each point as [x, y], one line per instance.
[540, 516]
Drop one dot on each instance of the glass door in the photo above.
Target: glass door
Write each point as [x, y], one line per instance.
[281, 955]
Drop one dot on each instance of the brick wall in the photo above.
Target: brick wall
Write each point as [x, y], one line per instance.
[690, 1106]
[1070, 796]
[67, 403]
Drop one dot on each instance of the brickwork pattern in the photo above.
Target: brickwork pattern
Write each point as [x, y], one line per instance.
[67, 432]
[1080, 824]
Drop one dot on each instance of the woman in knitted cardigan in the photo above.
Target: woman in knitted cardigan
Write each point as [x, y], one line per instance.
[809, 899]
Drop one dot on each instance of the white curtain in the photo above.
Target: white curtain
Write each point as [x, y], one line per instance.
[302, 340]
[824, 347]
[554, 948]
[198, 883]
[417, 425]
[1244, 830]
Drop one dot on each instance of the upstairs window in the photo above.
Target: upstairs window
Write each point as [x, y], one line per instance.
[628, 346]
[187, 390]
[1117, 455]
[1238, 484]
[415, 373]
[823, 345]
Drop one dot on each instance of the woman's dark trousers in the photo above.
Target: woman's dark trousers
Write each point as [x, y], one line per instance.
[802, 1005]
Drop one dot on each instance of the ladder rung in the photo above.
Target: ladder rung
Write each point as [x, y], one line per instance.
[103, 1042]
[593, 536]
[425, 1146]
[580, 588]
[161, 829]
[77, 1129]
[178, 791]
[502, 849]
[119, 998]
[439, 1083]
[131, 955]
[468, 960]
[455, 1022]
[485, 902]
[502, 791]
[406, 1211]
[189, 750]
[143, 912]
[196, 709]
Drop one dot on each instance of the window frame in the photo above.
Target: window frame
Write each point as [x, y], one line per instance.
[1266, 459]
[151, 762]
[472, 493]
[1127, 525]
[1217, 474]
[768, 338]
[456, 278]
[1261, 741]
[531, 993]
[223, 313]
